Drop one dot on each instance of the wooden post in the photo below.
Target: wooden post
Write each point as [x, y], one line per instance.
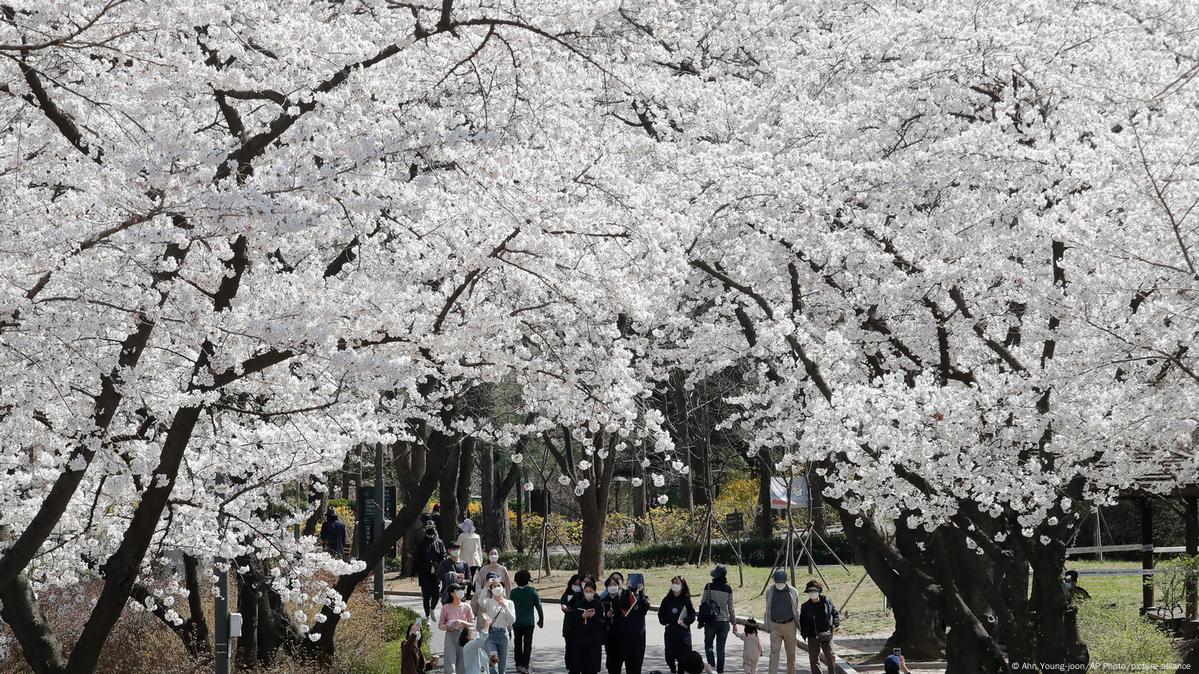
[1147, 600]
[1192, 543]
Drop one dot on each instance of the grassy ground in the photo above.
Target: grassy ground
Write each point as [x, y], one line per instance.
[863, 611]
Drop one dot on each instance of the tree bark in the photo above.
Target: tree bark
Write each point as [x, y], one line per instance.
[23, 615]
[765, 523]
[448, 492]
[247, 605]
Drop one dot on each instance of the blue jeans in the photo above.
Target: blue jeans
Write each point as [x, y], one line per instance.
[718, 631]
[497, 642]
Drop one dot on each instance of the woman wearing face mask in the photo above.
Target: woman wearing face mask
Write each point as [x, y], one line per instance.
[493, 566]
[610, 592]
[499, 612]
[412, 658]
[630, 607]
[677, 612]
[818, 619]
[455, 617]
[589, 630]
[570, 618]
[472, 546]
[429, 553]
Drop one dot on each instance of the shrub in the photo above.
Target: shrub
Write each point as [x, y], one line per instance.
[755, 552]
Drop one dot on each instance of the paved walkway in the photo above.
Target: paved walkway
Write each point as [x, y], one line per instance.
[548, 647]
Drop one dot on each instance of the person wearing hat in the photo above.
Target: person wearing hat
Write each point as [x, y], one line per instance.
[718, 597]
[453, 570]
[456, 616]
[1074, 592]
[472, 546]
[818, 618]
[782, 609]
[333, 534]
[425, 567]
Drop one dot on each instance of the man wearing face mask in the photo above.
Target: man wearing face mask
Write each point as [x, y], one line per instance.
[426, 565]
[818, 618]
[453, 569]
[782, 609]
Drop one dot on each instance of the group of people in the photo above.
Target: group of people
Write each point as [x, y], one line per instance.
[485, 611]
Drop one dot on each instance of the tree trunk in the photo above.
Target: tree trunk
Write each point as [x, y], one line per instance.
[640, 505]
[765, 524]
[23, 615]
[466, 474]
[918, 626]
[591, 553]
[681, 422]
[197, 621]
[1054, 629]
[448, 492]
[247, 605]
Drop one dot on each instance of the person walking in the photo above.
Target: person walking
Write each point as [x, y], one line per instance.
[493, 566]
[818, 619]
[456, 616]
[474, 652]
[426, 565]
[570, 620]
[500, 615]
[527, 601]
[452, 570]
[751, 646]
[630, 607]
[716, 614]
[333, 534]
[589, 630]
[472, 546]
[782, 610]
[677, 613]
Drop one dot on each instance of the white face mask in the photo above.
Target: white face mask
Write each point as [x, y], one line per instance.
[613, 589]
[780, 586]
[493, 557]
[813, 596]
[497, 591]
[676, 587]
[576, 588]
[589, 595]
[455, 554]
[459, 593]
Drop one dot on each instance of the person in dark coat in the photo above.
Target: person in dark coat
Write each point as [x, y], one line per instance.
[570, 618]
[677, 612]
[425, 566]
[818, 619]
[630, 608]
[589, 630]
[412, 658]
[611, 590]
[453, 569]
[333, 534]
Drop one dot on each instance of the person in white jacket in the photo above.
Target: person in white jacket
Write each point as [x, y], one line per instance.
[472, 546]
[499, 614]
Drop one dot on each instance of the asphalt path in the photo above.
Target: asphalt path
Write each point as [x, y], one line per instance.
[548, 646]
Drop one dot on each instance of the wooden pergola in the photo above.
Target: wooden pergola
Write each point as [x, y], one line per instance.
[1153, 487]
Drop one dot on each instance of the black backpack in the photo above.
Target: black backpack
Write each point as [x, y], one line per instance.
[708, 611]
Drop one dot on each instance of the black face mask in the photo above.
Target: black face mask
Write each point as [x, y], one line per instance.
[430, 533]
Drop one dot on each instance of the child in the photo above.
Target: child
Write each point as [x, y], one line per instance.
[527, 601]
[751, 646]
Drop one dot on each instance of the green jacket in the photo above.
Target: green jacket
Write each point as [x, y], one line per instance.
[527, 600]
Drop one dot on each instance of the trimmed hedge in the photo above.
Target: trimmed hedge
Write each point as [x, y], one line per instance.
[755, 552]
